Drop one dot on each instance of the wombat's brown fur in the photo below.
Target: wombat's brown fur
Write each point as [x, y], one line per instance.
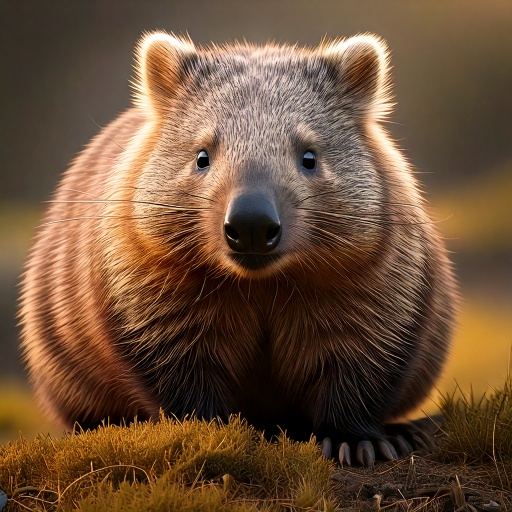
[333, 315]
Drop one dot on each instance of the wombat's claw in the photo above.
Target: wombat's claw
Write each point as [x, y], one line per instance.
[375, 447]
[387, 450]
[404, 447]
[365, 453]
[368, 450]
[419, 439]
[344, 455]
[426, 439]
[327, 447]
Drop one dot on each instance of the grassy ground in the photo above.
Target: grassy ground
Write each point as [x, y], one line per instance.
[196, 465]
[205, 466]
[164, 466]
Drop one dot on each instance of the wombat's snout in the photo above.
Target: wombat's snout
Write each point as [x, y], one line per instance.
[252, 224]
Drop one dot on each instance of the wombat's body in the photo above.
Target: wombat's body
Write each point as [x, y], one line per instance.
[246, 239]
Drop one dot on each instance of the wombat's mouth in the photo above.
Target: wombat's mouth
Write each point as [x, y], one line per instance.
[254, 261]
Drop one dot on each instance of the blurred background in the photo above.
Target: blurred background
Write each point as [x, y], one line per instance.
[65, 69]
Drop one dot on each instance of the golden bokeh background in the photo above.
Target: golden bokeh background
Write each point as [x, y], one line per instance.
[65, 68]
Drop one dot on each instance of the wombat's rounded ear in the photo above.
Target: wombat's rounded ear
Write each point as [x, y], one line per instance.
[363, 68]
[162, 61]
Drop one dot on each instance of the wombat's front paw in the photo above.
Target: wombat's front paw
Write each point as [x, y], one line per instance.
[365, 451]
[400, 440]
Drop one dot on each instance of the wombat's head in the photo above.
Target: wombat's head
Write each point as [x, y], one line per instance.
[263, 155]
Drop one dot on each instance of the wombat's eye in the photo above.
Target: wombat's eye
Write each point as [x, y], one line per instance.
[203, 160]
[309, 161]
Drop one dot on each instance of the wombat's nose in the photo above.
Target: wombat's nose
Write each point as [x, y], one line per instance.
[252, 224]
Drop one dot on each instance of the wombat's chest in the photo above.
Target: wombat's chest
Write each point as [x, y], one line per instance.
[259, 352]
[270, 404]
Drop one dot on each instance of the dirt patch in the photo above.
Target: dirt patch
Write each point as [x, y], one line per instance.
[418, 483]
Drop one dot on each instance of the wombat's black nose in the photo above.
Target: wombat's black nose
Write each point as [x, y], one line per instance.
[252, 224]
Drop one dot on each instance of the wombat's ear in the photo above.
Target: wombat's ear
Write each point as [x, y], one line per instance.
[363, 69]
[162, 62]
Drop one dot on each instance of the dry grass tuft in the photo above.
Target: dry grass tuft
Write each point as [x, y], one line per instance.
[195, 465]
[480, 430]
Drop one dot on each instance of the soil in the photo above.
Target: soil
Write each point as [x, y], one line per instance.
[422, 483]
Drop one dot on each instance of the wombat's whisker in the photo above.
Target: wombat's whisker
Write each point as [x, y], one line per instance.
[198, 196]
[90, 217]
[78, 191]
[349, 227]
[110, 138]
[368, 219]
[120, 217]
[150, 203]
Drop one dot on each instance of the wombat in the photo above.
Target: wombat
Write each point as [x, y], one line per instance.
[246, 239]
